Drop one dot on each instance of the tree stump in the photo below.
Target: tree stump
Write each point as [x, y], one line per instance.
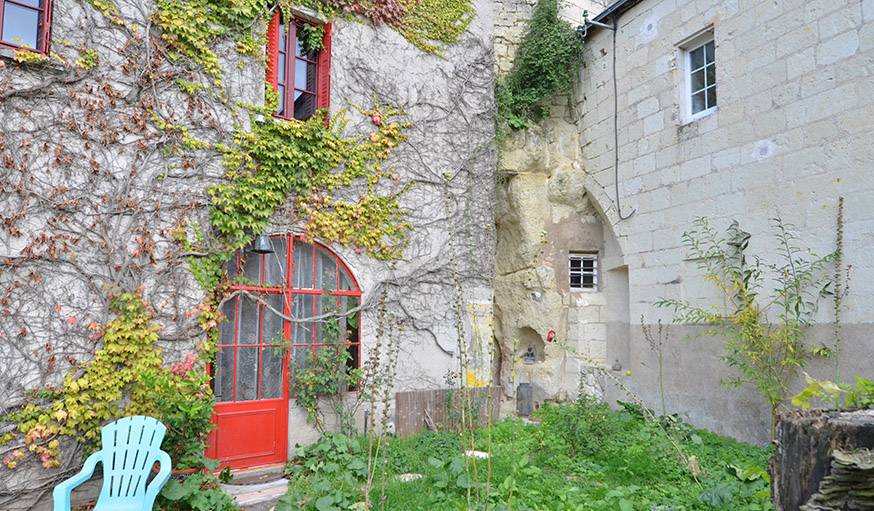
[824, 460]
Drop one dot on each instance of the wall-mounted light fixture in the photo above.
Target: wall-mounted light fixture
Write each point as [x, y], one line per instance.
[262, 245]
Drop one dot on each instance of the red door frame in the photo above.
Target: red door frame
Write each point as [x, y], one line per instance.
[255, 432]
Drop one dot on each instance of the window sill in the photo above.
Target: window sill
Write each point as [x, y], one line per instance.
[700, 115]
[9, 53]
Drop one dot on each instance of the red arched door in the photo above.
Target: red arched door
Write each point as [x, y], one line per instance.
[277, 307]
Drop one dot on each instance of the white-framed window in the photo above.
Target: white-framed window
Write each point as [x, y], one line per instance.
[583, 271]
[699, 70]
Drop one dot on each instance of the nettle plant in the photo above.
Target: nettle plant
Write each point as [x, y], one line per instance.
[764, 335]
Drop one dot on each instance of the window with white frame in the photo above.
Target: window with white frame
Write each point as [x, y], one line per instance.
[583, 271]
[700, 65]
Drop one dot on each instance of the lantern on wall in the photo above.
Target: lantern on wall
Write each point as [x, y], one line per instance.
[262, 245]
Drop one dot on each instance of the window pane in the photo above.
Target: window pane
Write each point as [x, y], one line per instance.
[576, 264]
[272, 331]
[247, 373]
[696, 58]
[304, 105]
[350, 322]
[346, 281]
[231, 268]
[281, 69]
[299, 47]
[272, 359]
[300, 358]
[698, 103]
[588, 280]
[588, 264]
[248, 326]
[575, 279]
[224, 374]
[326, 271]
[281, 109]
[304, 75]
[711, 97]
[274, 271]
[20, 25]
[303, 324]
[711, 74]
[698, 81]
[226, 331]
[302, 269]
[710, 52]
[282, 30]
[328, 328]
[251, 267]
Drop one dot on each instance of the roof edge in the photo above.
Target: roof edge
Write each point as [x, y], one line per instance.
[613, 11]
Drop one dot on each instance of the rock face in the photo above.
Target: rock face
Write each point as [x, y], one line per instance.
[824, 461]
[544, 215]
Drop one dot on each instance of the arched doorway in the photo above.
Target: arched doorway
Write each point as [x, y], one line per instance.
[276, 312]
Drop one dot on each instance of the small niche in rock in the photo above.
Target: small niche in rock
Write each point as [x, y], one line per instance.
[530, 347]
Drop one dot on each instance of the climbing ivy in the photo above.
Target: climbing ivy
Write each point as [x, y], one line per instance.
[125, 376]
[192, 28]
[308, 159]
[546, 64]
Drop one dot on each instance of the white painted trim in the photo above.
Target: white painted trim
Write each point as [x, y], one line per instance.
[685, 49]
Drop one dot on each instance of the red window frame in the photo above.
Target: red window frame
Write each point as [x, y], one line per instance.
[43, 29]
[288, 290]
[274, 53]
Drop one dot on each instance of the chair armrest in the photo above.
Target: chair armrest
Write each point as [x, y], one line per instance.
[158, 482]
[61, 493]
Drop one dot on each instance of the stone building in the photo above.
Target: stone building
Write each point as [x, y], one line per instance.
[730, 110]
[114, 128]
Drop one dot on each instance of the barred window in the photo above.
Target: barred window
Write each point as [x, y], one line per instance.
[583, 271]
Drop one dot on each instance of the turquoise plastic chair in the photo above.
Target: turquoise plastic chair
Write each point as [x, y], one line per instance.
[131, 446]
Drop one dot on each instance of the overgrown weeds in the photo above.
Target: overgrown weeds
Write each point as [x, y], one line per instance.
[582, 455]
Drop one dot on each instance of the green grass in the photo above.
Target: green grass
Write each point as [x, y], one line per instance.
[582, 456]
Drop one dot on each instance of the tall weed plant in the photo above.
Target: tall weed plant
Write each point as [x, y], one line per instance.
[764, 333]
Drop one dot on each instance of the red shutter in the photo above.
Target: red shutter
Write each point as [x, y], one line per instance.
[324, 92]
[273, 49]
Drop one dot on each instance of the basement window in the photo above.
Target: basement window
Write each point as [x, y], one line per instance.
[700, 72]
[583, 271]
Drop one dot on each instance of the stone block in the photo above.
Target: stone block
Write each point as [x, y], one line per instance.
[801, 63]
[647, 107]
[846, 19]
[583, 315]
[653, 123]
[837, 48]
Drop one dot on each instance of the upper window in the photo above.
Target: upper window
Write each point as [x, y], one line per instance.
[299, 75]
[700, 73]
[583, 271]
[24, 24]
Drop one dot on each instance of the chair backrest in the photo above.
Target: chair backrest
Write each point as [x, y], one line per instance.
[130, 448]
